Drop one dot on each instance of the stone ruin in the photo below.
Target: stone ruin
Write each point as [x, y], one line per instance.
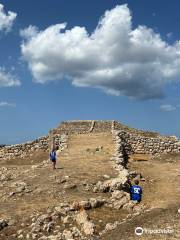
[128, 140]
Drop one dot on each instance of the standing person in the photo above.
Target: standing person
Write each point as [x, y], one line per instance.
[136, 191]
[52, 156]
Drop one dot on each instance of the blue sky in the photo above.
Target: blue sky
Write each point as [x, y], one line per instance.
[124, 68]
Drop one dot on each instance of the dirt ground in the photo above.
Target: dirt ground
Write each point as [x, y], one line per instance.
[161, 194]
[78, 168]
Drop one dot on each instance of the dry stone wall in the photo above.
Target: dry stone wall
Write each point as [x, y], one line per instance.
[81, 127]
[73, 127]
[97, 126]
[134, 143]
[102, 126]
[29, 148]
[22, 150]
[131, 140]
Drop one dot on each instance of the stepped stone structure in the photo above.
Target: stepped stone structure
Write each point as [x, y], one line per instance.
[128, 140]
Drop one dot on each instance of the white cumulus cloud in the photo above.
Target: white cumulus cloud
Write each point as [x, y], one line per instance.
[7, 79]
[6, 19]
[29, 32]
[168, 107]
[115, 57]
[6, 22]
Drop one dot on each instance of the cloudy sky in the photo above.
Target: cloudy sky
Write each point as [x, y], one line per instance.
[63, 60]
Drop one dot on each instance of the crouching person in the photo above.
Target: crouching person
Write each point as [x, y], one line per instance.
[136, 191]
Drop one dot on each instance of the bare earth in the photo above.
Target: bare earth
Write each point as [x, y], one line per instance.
[79, 168]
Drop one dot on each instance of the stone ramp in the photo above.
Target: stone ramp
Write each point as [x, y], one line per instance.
[88, 155]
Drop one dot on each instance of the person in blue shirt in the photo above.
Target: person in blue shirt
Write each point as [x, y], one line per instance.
[52, 156]
[136, 191]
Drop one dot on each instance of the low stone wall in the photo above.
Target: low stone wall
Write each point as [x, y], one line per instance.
[102, 126]
[75, 127]
[22, 150]
[97, 126]
[28, 149]
[81, 127]
[134, 140]
[117, 126]
[134, 143]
